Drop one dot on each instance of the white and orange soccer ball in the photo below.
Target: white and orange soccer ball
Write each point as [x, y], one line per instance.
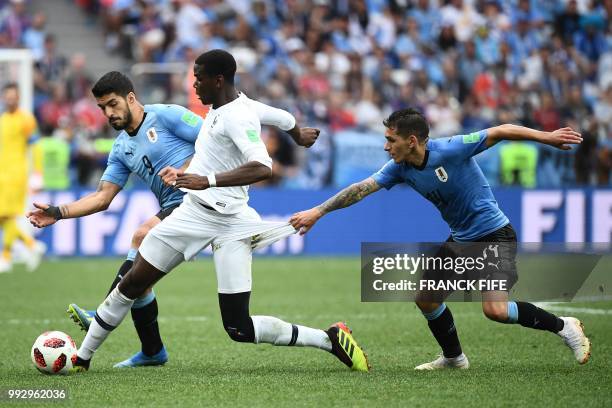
[54, 352]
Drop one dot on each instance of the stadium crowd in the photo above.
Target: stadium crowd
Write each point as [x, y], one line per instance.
[346, 64]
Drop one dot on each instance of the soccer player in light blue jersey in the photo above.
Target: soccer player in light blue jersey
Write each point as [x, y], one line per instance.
[152, 139]
[445, 172]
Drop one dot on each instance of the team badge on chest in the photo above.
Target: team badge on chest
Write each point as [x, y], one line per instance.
[441, 174]
[152, 135]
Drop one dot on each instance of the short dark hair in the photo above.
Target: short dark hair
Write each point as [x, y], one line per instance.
[112, 82]
[407, 122]
[10, 85]
[218, 62]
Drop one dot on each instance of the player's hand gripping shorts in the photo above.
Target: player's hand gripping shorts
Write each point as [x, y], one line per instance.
[192, 227]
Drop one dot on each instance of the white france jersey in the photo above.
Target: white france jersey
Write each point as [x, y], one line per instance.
[270, 116]
[228, 138]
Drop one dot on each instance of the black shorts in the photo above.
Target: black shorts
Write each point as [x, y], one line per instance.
[166, 212]
[497, 254]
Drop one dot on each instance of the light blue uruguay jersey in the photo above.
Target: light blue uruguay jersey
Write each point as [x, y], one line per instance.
[451, 179]
[166, 137]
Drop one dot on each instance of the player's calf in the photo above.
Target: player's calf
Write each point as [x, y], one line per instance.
[530, 316]
[442, 325]
[235, 316]
[268, 329]
[496, 311]
[108, 316]
[116, 306]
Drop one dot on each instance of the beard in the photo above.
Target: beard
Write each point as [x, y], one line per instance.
[122, 124]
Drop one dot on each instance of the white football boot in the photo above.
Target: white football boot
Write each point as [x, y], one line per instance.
[460, 362]
[574, 337]
[35, 255]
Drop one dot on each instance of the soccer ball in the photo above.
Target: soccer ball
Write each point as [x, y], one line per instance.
[54, 352]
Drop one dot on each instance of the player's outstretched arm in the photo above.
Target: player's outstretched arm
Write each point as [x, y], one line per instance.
[46, 214]
[271, 116]
[249, 173]
[305, 220]
[560, 138]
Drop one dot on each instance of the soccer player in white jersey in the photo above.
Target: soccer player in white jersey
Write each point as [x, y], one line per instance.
[151, 138]
[229, 156]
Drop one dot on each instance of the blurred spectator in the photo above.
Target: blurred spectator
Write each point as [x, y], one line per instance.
[52, 65]
[604, 164]
[344, 65]
[463, 17]
[586, 163]
[14, 20]
[34, 36]
[428, 18]
[547, 116]
[56, 109]
[282, 152]
[150, 34]
[567, 22]
[603, 113]
[447, 40]
[366, 108]
[518, 161]
[89, 152]
[444, 116]
[189, 23]
[339, 116]
[78, 79]
[487, 46]
[469, 64]
[490, 87]
[590, 41]
[52, 154]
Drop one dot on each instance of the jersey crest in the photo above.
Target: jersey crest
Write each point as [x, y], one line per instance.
[441, 174]
[152, 135]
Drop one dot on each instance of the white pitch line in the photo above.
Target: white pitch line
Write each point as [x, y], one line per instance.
[54, 321]
[556, 307]
[295, 317]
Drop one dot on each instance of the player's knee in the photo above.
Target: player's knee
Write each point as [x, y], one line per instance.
[496, 311]
[130, 287]
[236, 318]
[426, 306]
[239, 327]
[239, 334]
[139, 279]
[139, 236]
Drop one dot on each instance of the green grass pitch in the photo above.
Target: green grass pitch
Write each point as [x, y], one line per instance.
[511, 366]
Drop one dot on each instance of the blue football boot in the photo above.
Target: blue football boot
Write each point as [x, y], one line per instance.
[141, 360]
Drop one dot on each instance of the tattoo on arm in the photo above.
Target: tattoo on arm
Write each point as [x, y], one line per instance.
[350, 195]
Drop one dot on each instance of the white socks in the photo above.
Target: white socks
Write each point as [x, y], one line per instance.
[111, 312]
[275, 331]
[267, 329]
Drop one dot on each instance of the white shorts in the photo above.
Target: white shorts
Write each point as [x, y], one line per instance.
[191, 228]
